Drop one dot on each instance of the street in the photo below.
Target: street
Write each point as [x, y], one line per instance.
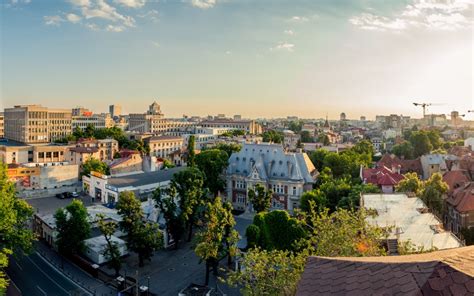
[49, 205]
[34, 276]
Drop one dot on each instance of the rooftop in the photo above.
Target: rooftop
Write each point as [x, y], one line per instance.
[400, 211]
[447, 272]
[141, 179]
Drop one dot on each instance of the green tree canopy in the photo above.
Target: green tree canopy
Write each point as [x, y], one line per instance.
[15, 235]
[306, 137]
[411, 183]
[168, 205]
[432, 194]
[191, 153]
[404, 150]
[260, 198]
[72, 225]
[111, 251]
[217, 238]
[273, 136]
[421, 143]
[277, 230]
[229, 148]
[212, 164]
[94, 165]
[143, 238]
[189, 186]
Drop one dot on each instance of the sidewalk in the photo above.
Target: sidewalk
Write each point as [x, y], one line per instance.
[73, 272]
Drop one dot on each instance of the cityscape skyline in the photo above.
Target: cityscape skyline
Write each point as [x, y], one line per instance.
[303, 58]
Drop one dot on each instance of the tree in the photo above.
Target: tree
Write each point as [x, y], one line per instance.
[364, 147]
[73, 228]
[306, 137]
[188, 185]
[111, 251]
[268, 272]
[432, 194]
[295, 126]
[191, 152]
[94, 165]
[78, 133]
[143, 238]
[229, 148]
[411, 183]
[15, 235]
[324, 139]
[212, 164]
[278, 231]
[435, 138]
[217, 238]
[90, 130]
[167, 164]
[272, 136]
[260, 198]
[421, 143]
[343, 233]
[352, 200]
[317, 157]
[315, 195]
[168, 205]
[404, 150]
[335, 190]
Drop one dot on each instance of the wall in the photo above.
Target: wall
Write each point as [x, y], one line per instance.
[58, 175]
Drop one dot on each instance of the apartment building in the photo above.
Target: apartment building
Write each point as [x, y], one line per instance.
[115, 110]
[35, 124]
[163, 146]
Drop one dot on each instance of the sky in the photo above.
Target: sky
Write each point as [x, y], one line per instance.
[265, 58]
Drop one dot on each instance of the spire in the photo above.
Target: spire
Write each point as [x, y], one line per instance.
[326, 123]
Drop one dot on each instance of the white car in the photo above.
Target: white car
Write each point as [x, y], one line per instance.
[75, 194]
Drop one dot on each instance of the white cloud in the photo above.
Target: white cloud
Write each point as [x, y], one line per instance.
[289, 32]
[92, 26]
[131, 3]
[73, 18]
[425, 14]
[156, 44]
[103, 10]
[80, 2]
[298, 19]
[284, 46]
[203, 4]
[228, 52]
[150, 14]
[112, 28]
[53, 20]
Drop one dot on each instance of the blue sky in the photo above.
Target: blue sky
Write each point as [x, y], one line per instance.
[255, 58]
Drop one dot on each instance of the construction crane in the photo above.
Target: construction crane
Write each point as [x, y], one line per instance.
[424, 105]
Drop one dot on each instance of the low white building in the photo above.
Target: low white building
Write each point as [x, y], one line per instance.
[107, 188]
[410, 219]
[96, 246]
[469, 142]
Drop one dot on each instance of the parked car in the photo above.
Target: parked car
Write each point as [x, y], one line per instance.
[60, 196]
[67, 194]
[75, 194]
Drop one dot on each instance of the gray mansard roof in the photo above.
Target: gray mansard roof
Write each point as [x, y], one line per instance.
[270, 161]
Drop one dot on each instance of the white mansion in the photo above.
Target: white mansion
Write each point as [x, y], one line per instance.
[287, 174]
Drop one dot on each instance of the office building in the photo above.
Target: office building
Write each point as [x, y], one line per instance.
[35, 124]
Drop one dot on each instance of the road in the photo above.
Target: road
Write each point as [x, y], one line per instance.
[34, 276]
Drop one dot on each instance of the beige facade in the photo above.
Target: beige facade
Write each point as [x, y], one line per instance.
[98, 121]
[103, 150]
[15, 154]
[163, 146]
[249, 126]
[2, 130]
[34, 124]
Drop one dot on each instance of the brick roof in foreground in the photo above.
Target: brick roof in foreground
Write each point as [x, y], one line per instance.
[447, 272]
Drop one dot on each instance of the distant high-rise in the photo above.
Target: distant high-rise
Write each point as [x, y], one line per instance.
[237, 117]
[363, 118]
[115, 110]
[33, 124]
[343, 116]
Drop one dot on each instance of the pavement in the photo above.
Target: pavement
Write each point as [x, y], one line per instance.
[49, 205]
[34, 276]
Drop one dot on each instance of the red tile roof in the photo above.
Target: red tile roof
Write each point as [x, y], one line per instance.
[406, 165]
[463, 198]
[455, 179]
[447, 272]
[381, 176]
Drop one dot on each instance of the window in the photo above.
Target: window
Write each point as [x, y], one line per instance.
[41, 154]
[294, 190]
